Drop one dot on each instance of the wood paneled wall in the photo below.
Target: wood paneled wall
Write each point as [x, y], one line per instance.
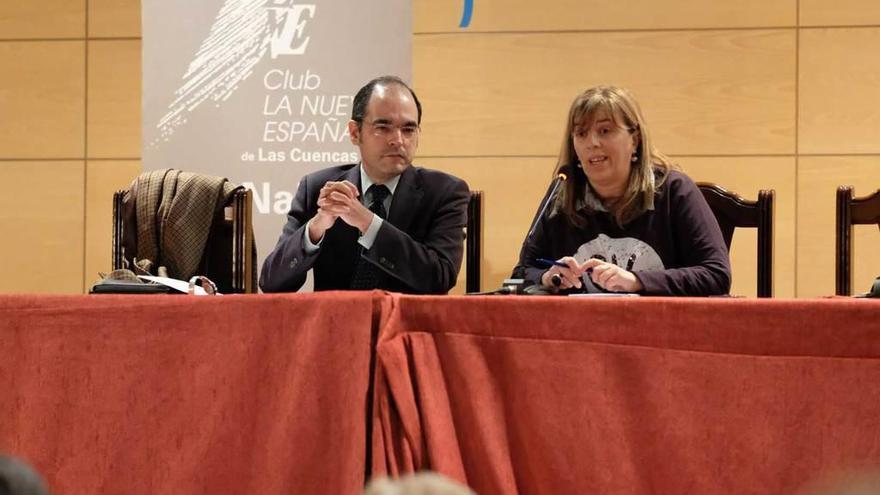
[69, 136]
[781, 94]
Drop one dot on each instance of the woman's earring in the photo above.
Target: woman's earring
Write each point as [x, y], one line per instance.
[634, 158]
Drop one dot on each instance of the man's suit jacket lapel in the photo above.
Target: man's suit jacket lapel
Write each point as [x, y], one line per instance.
[407, 196]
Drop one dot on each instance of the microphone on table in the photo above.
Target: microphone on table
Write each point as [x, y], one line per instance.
[517, 285]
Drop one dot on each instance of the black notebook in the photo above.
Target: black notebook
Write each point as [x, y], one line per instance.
[110, 286]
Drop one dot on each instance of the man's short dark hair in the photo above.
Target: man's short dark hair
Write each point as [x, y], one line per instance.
[362, 98]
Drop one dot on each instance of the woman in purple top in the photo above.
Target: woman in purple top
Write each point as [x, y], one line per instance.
[623, 219]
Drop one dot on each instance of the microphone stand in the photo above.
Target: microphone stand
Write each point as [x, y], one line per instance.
[538, 289]
[557, 181]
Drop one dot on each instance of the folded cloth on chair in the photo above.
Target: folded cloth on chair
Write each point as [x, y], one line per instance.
[173, 223]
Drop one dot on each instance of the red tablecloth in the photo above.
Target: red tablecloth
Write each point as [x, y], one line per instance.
[721, 396]
[309, 393]
[184, 395]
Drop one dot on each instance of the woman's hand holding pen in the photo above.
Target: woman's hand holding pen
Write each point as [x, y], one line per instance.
[612, 277]
[566, 271]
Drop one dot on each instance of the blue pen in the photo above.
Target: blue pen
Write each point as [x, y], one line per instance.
[545, 263]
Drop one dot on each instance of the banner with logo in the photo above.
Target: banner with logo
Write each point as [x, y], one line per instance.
[260, 91]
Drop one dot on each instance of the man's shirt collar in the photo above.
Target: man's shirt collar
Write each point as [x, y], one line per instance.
[391, 184]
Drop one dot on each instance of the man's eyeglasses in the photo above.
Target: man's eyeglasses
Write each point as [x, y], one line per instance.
[384, 129]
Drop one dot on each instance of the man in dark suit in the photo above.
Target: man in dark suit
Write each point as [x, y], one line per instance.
[383, 223]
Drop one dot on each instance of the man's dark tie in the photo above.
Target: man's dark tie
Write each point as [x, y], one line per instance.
[366, 275]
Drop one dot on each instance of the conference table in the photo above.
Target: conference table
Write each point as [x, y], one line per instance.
[316, 393]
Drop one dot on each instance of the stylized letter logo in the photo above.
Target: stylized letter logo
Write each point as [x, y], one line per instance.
[290, 30]
[466, 14]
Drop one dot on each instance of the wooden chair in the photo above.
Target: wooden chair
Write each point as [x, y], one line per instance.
[732, 211]
[850, 210]
[473, 241]
[228, 256]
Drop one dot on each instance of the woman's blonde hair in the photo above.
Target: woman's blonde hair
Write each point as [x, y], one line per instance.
[625, 113]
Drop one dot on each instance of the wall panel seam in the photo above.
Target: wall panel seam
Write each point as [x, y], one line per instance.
[119, 38]
[797, 104]
[673, 155]
[38, 40]
[647, 30]
[85, 155]
[605, 31]
[51, 40]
